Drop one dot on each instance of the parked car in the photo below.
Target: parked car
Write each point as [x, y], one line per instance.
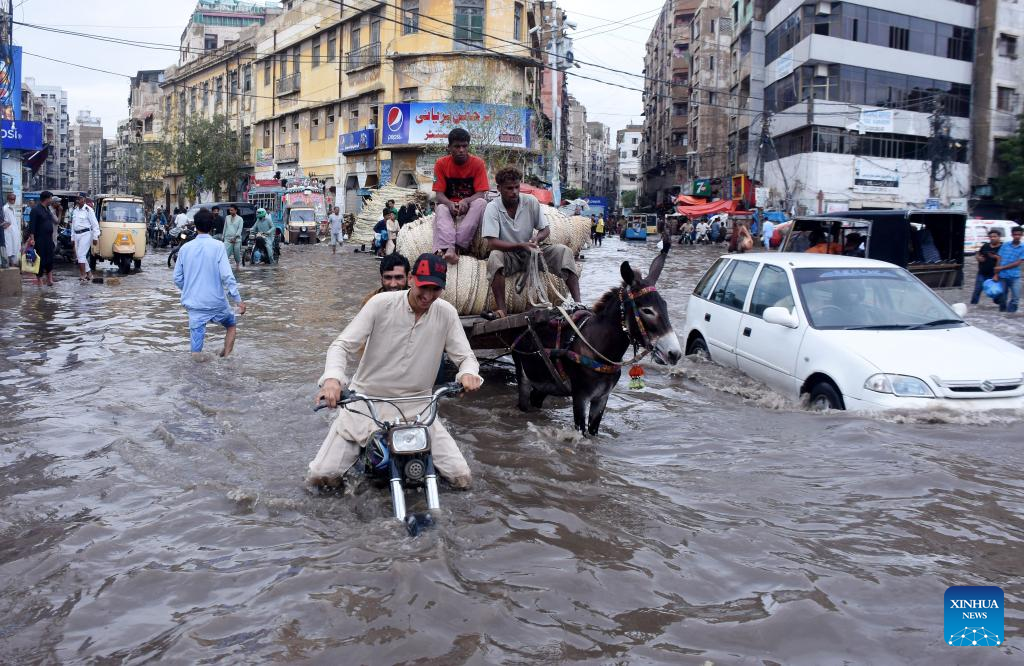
[851, 333]
[246, 210]
[977, 233]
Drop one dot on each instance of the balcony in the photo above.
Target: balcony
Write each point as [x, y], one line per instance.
[368, 56]
[289, 84]
[680, 122]
[288, 152]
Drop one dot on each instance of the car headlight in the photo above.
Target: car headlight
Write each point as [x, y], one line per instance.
[409, 440]
[899, 385]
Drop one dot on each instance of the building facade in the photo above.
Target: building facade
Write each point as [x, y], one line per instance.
[665, 143]
[746, 81]
[577, 168]
[217, 23]
[854, 93]
[710, 76]
[48, 105]
[85, 154]
[627, 145]
[998, 83]
[601, 175]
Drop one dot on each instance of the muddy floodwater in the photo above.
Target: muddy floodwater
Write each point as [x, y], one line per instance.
[152, 507]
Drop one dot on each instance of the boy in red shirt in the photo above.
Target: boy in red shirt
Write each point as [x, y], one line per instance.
[460, 181]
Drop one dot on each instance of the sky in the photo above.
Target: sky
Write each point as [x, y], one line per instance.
[608, 33]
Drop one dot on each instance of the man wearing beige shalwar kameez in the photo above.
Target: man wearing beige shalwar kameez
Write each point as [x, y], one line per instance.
[404, 334]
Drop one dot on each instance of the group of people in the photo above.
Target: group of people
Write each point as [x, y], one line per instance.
[385, 232]
[34, 248]
[1001, 261]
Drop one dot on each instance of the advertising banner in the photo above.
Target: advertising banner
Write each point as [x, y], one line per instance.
[10, 83]
[385, 172]
[702, 187]
[417, 123]
[21, 135]
[264, 158]
[355, 142]
[876, 120]
[867, 174]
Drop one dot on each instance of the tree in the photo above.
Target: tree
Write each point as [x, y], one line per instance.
[141, 167]
[209, 156]
[628, 198]
[571, 193]
[1011, 154]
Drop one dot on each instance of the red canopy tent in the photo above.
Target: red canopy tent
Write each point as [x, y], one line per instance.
[687, 200]
[543, 196]
[721, 206]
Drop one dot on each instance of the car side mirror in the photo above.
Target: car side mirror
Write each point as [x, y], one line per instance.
[960, 309]
[780, 317]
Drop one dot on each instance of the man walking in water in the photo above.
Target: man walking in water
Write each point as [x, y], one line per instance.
[233, 226]
[460, 181]
[335, 220]
[85, 232]
[202, 273]
[426, 326]
[11, 231]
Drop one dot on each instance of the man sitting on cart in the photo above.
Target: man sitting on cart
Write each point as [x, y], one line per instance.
[460, 184]
[515, 227]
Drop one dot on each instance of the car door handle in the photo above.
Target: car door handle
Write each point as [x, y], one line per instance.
[707, 317]
[746, 332]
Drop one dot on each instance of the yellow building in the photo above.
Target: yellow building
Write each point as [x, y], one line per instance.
[324, 75]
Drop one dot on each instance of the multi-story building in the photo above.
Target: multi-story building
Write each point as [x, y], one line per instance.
[140, 145]
[110, 181]
[851, 88]
[627, 146]
[547, 22]
[50, 107]
[600, 171]
[216, 23]
[710, 76]
[746, 85]
[666, 135]
[998, 83]
[577, 169]
[85, 153]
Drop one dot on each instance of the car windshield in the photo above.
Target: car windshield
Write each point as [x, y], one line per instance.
[870, 299]
[123, 211]
[300, 215]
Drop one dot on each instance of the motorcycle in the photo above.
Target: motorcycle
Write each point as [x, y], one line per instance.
[179, 239]
[66, 243]
[257, 252]
[399, 453]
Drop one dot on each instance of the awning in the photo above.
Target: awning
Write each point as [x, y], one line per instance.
[721, 206]
[543, 196]
[687, 200]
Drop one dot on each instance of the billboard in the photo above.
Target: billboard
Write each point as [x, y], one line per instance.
[21, 135]
[10, 83]
[355, 142]
[419, 123]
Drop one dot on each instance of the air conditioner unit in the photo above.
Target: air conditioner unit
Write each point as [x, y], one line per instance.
[824, 8]
[821, 69]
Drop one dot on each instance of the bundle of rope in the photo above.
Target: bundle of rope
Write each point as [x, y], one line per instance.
[372, 210]
[573, 232]
[468, 289]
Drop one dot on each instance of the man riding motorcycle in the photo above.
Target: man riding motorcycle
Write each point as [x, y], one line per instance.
[402, 335]
[264, 225]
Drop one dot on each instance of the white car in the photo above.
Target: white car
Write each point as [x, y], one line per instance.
[851, 333]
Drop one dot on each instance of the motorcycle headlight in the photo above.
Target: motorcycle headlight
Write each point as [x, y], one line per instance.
[409, 440]
[303, 228]
[903, 386]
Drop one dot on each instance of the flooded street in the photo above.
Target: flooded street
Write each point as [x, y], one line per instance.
[153, 506]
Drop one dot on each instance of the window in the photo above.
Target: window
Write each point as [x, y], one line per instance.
[314, 126]
[332, 46]
[635, 140]
[622, 154]
[410, 16]
[283, 65]
[469, 24]
[634, 153]
[409, 94]
[247, 78]
[282, 134]
[771, 291]
[1007, 46]
[703, 288]
[295, 122]
[296, 59]
[266, 136]
[246, 143]
[268, 66]
[374, 29]
[731, 290]
[899, 38]
[353, 118]
[210, 42]
[517, 23]
[331, 123]
[353, 37]
[1004, 98]
[316, 51]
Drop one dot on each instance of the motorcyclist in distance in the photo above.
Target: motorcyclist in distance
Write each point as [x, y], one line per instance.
[264, 225]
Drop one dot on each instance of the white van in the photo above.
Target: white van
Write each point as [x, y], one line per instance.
[976, 233]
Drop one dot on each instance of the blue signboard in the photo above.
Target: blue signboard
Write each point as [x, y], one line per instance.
[10, 82]
[21, 135]
[385, 172]
[356, 142]
[597, 205]
[420, 123]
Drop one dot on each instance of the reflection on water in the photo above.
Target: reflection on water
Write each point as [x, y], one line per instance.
[153, 508]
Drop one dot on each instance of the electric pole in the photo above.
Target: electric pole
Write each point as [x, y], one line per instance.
[938, 146]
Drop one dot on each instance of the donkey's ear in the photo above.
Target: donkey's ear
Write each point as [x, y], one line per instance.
[627, 273]
[656, 266]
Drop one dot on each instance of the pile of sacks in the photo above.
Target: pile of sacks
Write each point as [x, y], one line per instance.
[467, 286]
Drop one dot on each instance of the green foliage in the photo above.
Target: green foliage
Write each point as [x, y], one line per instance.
[628, 198]
[210, 155]
[571, 193]
[142, 166]
[1011, 154]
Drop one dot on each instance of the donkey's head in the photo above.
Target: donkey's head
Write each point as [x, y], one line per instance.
[646, 311]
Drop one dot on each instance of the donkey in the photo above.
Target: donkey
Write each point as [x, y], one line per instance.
[558, 361]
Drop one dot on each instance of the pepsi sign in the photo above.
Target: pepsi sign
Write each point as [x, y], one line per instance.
[21, 134]
[396, 126]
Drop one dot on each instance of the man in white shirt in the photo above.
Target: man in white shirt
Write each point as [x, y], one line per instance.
[85, 232]
[401, 336]
[766, 234]
[514, 228]
[335, 220]
[12, 231]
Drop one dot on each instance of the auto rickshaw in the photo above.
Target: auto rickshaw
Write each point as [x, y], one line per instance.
[122, 221]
